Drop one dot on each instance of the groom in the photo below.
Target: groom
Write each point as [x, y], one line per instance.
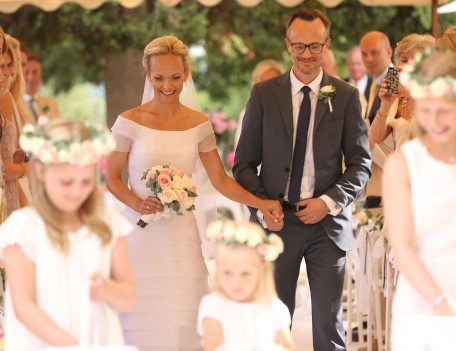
[301, 141]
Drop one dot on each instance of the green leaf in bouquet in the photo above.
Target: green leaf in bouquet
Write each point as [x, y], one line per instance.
[191, 193]
[191, 208]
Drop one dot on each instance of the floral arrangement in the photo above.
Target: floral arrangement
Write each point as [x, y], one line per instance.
[420, 86]
[247, 234]
[326, 93]
[224, 129]
[173, 187]
[78, 153]
[363, 219]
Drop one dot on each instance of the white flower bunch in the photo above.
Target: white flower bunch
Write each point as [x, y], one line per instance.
[77, 153]
[421, 87]
[326, 93]
[247, 234]
[173, 187]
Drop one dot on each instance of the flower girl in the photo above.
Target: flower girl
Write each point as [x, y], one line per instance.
[66, 247]
[419, 185]
[244, 313]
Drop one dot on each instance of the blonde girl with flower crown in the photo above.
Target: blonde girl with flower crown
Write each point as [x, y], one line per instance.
[419, 201]
[244, 313]
[66, 247]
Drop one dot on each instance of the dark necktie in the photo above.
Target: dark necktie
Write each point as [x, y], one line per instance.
[299, 155]
[32, 108]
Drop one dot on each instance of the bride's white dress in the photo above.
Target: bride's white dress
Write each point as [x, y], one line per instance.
[433, 188]
[166, 256]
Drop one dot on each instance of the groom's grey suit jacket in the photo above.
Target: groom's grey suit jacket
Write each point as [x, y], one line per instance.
[338, 136]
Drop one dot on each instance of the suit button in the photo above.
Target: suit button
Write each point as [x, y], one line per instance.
[287, 169]
[281, 195]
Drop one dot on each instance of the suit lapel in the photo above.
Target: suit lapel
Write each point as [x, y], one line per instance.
[322, 106]
[285, 103]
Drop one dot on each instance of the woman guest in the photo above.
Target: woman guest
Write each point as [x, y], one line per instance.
[396, 111]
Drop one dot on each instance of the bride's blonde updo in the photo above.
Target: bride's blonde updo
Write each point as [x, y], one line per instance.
[166, 45]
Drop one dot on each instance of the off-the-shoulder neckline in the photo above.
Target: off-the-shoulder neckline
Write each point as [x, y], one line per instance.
[164, 130]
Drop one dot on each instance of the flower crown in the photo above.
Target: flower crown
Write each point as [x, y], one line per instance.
[420, 86]
[77, 153]
[246, 234]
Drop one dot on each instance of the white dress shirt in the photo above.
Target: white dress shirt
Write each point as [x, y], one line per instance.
[360, 84]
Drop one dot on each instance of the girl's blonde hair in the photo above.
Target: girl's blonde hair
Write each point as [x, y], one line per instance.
[264, 66]
[438, 64]
[90, 211]
[166, 45]
[413, 43]
[265, 291]
[446, 39]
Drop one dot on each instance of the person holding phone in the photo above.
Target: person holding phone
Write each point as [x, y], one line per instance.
[397, 108]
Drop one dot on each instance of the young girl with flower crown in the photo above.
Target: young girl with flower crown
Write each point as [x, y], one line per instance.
[419, 185]
[243, 313]
[66, 247]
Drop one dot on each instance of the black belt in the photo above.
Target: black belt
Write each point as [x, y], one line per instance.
[288, 206]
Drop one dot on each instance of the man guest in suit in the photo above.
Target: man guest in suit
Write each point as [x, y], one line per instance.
[357, 74]
[37, 105]
[376, 52]
[300, 140]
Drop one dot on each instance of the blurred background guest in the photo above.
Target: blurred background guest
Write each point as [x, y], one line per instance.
[37, 104]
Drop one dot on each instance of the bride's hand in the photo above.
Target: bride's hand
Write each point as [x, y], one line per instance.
[272, 211]
[149, 205]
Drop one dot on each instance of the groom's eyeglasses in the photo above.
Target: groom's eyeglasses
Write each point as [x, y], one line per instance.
[314, 48]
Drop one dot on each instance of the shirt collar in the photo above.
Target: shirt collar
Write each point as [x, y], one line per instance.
[296, 84]
[28, 97]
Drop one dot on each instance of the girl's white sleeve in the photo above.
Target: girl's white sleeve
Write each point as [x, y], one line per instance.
[23, 228]
[209, 307]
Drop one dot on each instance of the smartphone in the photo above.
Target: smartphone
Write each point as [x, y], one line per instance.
[392, 80]
[373, 201]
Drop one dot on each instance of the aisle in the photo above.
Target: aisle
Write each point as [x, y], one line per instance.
[302, 324]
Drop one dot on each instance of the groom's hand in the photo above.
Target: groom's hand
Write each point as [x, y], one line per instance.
[315, 210]
[274, 220]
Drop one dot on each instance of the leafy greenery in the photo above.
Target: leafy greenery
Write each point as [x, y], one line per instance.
[76, 43]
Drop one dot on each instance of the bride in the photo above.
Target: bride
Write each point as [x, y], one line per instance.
[167, 261]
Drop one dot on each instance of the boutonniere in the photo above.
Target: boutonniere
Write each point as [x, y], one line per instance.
[326, 93]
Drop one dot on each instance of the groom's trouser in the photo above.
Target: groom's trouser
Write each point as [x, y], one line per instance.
[325, 271]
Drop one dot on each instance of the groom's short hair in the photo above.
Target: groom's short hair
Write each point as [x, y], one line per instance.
[309, 15]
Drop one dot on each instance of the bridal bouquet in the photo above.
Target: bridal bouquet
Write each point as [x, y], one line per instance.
[173, 187]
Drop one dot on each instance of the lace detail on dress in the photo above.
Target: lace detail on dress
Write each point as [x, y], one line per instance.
[9, 146]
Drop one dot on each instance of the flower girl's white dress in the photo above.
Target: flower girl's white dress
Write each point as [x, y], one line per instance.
[168, 265]
[247, 326]
[433, 189]
[61, 281]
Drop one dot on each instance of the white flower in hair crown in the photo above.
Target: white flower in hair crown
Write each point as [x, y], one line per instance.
[420, 86]
[246, 234]
[77, 153]
[326, 93]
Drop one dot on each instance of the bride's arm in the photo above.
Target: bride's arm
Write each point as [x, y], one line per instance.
[232, 190]
[116, 163]
[401, 234]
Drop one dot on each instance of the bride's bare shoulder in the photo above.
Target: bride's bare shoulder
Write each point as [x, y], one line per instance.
[133, 114]
[197, 117]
